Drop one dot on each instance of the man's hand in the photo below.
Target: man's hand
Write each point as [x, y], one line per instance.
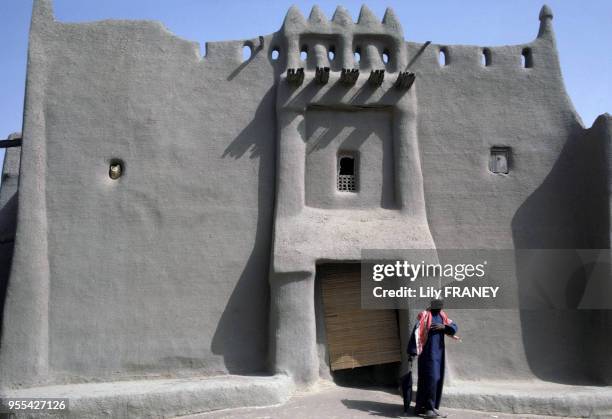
[437, 327]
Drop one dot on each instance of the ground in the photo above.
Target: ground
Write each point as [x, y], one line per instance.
[330, 401]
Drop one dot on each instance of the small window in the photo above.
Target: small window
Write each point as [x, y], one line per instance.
[275, 54]
[304, 53]
[386, 57]
[527, 58]
[347, 181]
[486, 57]
[247, 51]
[442, 57]
[115, 170]
[357, 55]
[499, 161]
[331, 53]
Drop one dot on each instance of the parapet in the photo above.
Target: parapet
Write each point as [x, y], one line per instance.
[340, 43]
[369, 44]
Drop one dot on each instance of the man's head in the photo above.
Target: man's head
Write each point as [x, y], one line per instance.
[436, 305]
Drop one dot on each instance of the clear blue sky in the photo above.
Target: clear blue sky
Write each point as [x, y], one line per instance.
[583, 29]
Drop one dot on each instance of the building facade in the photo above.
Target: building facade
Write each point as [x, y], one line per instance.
[179, 215]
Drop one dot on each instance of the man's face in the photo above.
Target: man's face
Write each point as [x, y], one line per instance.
[436, 305]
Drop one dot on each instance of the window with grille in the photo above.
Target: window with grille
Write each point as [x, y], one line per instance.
[347, 181]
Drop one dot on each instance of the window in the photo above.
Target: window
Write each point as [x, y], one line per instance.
[357, 55]
[443, 57]
[499, 161]
[386, 56]
[304, 53]
[115, 170]
[247, 51]
[347, 181]
[527, 58]
[486, 57]
[331, 53]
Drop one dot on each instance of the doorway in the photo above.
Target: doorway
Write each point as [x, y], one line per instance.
[363, 346]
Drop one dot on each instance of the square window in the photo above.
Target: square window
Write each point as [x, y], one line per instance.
[499, 161]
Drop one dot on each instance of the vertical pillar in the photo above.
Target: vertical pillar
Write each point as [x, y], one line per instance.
[410, 194]
[24, 349]
[293, 52]
[371, 58]
[291, 150]
[293, 346]
[345, 52]
[319, 54]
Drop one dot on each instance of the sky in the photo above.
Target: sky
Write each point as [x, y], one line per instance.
[583, 30]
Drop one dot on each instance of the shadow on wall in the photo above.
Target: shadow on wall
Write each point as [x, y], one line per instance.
[332, 131]
[596, 160]
[557, 216]
[8, 223]
[240, 337]
[254, 50]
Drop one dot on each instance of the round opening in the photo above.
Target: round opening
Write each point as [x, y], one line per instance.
[115, 169]
[247, 51]
[331, 54]
[385, 57]
[275, 54]
[304, 53]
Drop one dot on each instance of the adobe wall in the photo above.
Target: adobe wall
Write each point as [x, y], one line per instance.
[464, 109]
[163, 271]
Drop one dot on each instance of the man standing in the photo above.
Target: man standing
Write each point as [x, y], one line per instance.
[427, 342]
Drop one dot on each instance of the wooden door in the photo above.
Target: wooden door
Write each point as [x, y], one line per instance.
[355, 337]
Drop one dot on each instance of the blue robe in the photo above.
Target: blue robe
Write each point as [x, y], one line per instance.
[431, 366]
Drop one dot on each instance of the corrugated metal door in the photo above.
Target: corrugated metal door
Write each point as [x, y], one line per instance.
[355, 337]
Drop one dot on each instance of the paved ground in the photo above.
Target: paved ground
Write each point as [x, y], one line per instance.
[330, 401]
